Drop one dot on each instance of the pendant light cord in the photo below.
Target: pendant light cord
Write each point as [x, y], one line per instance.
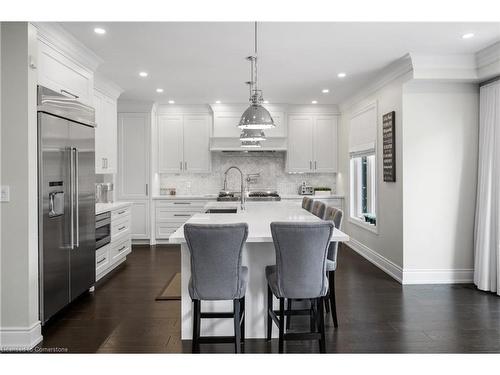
[256, 88]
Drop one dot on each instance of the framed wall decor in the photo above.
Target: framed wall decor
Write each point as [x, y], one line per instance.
[389, 146]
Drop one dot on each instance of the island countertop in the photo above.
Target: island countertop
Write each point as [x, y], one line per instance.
[258, 216]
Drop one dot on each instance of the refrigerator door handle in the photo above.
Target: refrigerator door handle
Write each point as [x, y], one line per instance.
[77, 203]
[71, 200]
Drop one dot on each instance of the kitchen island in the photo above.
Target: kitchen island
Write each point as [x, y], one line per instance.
[258, 252]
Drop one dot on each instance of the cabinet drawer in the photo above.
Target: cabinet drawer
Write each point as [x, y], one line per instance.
[167, 214]
[120, 213]
[102, 260]
[120, 227]
[180, 205]
[164, 230]
[120, 250]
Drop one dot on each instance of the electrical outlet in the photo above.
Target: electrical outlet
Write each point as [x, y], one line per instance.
[5, 193]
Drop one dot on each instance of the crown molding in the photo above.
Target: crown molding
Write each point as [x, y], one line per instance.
[331, 109]
[488, 61]
[458, 67]
[134, 106]
[56, 36]
[107, 86]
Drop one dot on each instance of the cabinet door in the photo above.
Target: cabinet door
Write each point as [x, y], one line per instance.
[226, 124]
[300, 143]
[140, 220]
[110, 113]
[325, 144]
[100, 133]
[170, 144]
[196, 143]
[133, 151]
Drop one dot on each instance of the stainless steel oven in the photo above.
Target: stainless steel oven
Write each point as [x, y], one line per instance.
[102, 229]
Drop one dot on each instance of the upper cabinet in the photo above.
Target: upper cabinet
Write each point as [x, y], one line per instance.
[106, 142]
[183, 143]
[312, 143]
[62, 74]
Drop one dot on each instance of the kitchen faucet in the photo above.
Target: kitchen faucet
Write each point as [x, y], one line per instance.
[242, 184]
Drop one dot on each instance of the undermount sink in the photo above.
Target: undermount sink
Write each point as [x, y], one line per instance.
[221, 211]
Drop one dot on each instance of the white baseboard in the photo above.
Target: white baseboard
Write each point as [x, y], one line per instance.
[386, 265]
[436, 276]
[20, 338]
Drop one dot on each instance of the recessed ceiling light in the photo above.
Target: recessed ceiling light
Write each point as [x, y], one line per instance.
[159, 91]
[314, 102]
[143, 74]
[266, 101]
[468, 36]
[341, 75]
[325, 91]
[171, 102]
[99, 30]
[217, 102]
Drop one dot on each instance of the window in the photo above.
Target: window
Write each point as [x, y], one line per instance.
[363, 181]
[363, 167]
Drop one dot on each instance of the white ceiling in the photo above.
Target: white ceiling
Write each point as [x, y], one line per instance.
[201, 62]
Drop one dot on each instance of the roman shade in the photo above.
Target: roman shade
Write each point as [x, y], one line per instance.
[363, 131]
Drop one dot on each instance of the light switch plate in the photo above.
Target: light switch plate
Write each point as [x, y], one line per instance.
[5, 193]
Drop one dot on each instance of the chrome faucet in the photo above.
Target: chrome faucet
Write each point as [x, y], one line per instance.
[242, 184]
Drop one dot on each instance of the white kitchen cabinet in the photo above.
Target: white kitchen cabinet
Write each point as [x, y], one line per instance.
[140, 220]
[183, 143]
[64, 75]
[312, 144]
[105, 133]
[170, 215]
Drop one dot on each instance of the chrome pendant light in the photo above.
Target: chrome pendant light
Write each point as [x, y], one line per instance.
[252, 135]
[251, 144]
[256, 117]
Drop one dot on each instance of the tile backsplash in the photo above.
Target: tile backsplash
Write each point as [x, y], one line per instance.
[271, 167]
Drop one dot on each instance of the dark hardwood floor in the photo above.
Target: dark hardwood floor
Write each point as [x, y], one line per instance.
[376, 314]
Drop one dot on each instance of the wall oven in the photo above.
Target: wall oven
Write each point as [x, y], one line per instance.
[102, 229]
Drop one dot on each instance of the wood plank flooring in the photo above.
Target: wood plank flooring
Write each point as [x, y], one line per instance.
[376, 314]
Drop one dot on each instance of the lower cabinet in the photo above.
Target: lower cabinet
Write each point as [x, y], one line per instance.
[110, 256]
[170, 215]
[140, 220]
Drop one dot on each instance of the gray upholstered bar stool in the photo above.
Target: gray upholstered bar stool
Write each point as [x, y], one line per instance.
[300, 273]
[318, 209]
[307, 203]
[335, 215]
[217, 274]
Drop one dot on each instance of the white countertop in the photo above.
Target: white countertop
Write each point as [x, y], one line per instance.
[187, 197]
[103, 207]
[298, 196]
[258, 216]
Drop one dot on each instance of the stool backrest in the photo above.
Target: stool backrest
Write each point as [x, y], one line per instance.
[307, 203]
[334, 215]
[215, 258]
[319, 209]
[301, 249]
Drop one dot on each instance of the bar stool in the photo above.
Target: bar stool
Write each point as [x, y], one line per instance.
[307, 203]
[217, 274]
[334, 215]
[318, 209]
[300, 273]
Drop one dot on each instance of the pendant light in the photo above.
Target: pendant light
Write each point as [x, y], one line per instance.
[256, 116]
[251, 144]
[252, 135]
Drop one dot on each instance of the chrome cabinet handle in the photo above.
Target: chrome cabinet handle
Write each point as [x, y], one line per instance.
[122, 248]
[182, 202]
[310, 165]
[103, 163]
[71, 200]
[102, 260]
[77, 193]
[185, 165]
[121, 212]
[147, 190]
[69, 93]
[182, 215]
[315, 164]
[122, 228]
[180, 165]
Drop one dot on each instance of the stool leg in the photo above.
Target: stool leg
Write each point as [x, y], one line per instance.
[282, 324]
[195, 346]
[237, 328]
[289, 317]
[242, 326]
[321, 316]
[331, 281]
[269, 309]
[313, 326]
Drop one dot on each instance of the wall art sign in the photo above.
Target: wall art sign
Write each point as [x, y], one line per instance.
[389, 146]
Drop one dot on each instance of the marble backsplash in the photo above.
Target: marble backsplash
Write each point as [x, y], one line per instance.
[271, 167]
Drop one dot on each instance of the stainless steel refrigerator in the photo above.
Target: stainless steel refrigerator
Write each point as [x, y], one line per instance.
[66, 200]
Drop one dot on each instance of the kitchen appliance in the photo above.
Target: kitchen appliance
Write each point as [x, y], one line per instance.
[104, 192]
[102, 229]
[66, 200]
[255, 196]
[305, 189]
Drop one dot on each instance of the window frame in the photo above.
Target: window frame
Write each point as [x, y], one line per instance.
[352, 218]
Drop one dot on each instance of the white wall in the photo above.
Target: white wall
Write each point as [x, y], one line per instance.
[440, 143]
[385, 247]
[19, 324]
